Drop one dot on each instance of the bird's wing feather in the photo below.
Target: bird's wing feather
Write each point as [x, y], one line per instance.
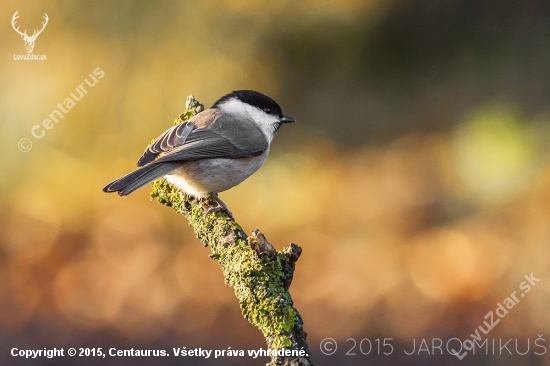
[173, 137]
[224, 137]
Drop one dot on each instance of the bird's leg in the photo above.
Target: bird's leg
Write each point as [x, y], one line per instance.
[221, 206]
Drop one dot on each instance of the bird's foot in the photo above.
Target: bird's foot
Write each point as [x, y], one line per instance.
[220, 208]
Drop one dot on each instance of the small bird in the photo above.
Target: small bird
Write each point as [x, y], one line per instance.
[212, 152]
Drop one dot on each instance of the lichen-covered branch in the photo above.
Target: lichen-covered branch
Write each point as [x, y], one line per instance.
[260, 275]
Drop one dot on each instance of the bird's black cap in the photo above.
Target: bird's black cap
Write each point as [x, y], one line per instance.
[253, 98]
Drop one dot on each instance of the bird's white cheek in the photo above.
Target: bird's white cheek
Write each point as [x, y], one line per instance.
[268, 125]
[266, 122]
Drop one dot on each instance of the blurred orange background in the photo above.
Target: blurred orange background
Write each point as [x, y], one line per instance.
[417, 179]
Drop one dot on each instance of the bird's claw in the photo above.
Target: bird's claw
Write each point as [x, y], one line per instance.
[218, 209]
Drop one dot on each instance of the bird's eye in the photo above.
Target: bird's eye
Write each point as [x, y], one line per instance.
[267, 110]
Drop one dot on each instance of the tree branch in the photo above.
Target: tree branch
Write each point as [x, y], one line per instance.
[260, 275]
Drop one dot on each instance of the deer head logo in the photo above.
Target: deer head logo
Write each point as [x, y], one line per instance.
[29, 40]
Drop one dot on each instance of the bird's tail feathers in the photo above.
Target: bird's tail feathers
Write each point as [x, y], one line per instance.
[138, 178]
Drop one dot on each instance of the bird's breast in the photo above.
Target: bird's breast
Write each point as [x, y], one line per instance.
[202, 177]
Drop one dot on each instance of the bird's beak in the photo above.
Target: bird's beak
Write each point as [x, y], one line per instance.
[287, 119]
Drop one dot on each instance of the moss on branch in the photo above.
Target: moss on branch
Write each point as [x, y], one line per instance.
[259, 274]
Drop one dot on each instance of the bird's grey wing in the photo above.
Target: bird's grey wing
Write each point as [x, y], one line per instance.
[228, 138]
[171, 138]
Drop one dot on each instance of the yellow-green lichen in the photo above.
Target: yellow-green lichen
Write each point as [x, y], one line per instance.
[257, 280]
